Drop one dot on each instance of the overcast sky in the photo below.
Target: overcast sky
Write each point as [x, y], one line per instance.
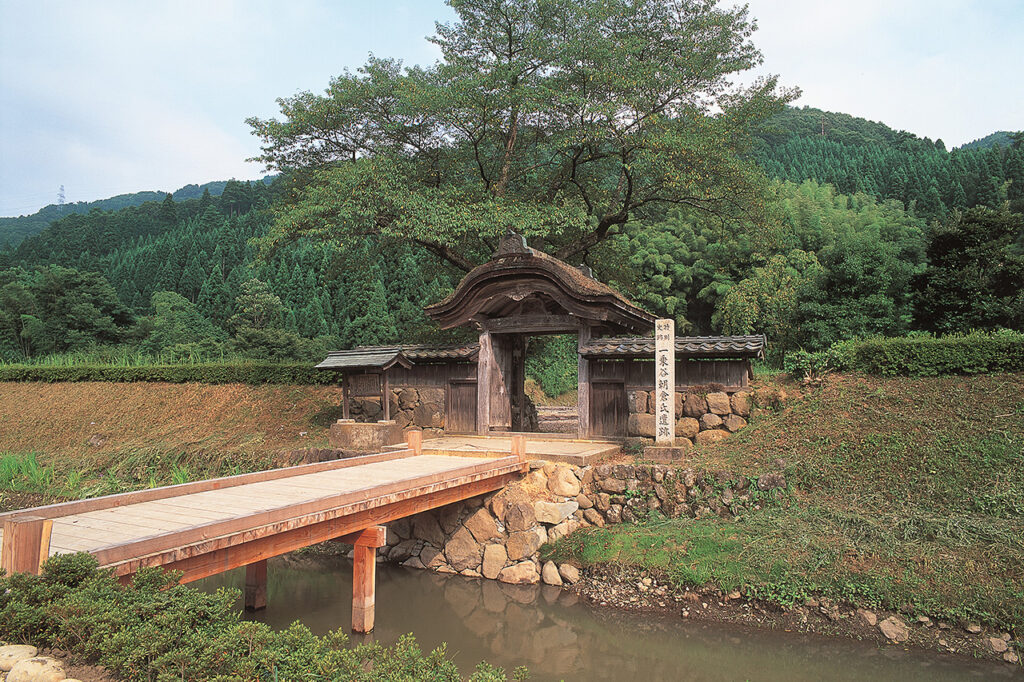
[108, 97]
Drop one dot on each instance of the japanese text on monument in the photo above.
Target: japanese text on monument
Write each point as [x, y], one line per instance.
[665, 381]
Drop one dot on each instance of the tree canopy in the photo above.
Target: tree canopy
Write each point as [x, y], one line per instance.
[560, 119]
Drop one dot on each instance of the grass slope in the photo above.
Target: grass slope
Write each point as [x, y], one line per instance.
[904, 493]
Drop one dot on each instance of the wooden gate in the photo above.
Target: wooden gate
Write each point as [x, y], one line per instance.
[608, 409]
[461, 411]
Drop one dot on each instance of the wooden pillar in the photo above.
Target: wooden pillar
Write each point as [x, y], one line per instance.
[26, 544]
[517, 382]
[484, 374]
[364, 575]
[519, 448]
[414, 439]
[385, 396]
[345, 391]
[256, 585]
[583, 393]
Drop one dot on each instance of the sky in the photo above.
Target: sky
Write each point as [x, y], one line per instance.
[114, 96]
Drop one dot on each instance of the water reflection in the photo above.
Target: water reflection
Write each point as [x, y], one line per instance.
[558, 637]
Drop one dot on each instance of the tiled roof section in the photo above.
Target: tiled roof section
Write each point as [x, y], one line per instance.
[426, 352]
[377, 358]
[686, 346]
[383, 357]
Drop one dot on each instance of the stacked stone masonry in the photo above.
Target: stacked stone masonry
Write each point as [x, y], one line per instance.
[701, 417]
[497, 536]
[410, 406]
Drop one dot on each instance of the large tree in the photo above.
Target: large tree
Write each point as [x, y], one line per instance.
[560, 119]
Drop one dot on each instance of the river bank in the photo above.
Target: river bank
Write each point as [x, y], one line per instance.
[561, 635]
[641, 591]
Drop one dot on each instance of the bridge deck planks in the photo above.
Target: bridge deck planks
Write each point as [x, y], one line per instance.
[132, 523]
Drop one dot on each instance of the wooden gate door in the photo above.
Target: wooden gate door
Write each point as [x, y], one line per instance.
[461, 407]
[608, 409]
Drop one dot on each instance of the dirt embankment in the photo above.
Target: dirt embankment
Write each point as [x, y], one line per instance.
[136, 432]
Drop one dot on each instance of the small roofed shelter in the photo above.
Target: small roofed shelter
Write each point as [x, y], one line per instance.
[521, 292]
[365, 374]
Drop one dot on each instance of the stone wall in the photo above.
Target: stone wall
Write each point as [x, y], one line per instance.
[701, 416]
[410, 406]
[497, 536]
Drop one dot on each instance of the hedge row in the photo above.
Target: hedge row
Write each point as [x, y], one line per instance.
[928, 356]
[918, 356]
[204, 373]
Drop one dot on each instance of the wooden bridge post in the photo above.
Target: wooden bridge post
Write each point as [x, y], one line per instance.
[26, 544]
[414, 439]
[519, 447]
[364, 575]
[256, 585]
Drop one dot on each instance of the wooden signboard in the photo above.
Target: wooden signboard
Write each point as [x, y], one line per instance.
[665, 381]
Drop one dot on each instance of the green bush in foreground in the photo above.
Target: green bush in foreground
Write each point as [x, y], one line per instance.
[157, 629]
[918, 356]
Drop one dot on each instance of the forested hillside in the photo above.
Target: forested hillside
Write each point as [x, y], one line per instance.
[14, 229]
[182, 278]
[867, 231]
[856, 155]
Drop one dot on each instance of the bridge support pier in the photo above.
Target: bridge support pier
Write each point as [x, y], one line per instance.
[26, 544]
[364, 575]
[256, 586]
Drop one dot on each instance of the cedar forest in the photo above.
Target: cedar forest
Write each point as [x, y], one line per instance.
[869, 232]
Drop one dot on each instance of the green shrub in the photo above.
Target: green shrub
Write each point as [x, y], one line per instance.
[919, 355]
[155, 629]
[927, 356]
[236, 372]
[553, 362]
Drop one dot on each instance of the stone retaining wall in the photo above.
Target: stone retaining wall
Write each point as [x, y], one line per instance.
[701, 416]
[497, 536]
[410, 406]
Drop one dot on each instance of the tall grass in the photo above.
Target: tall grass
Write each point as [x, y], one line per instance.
[119, 356]
[23, 473]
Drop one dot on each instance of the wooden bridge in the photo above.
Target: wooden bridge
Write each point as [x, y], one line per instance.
[212, 526]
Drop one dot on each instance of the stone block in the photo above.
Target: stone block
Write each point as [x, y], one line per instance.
[569, 573]
[523, 573]
[694, 405]
[431, 395]
[687, 427]
[664, 453]
[525, 543]
[495, 558]
[712, 436]
[740, 402]
[710, 421]
[520, 517]
[734, 423]
[428, 415]
[642, 425]
[551, 512]
[463, 551]
[364, 437]
[481, 524]
[718, 403]
[549, 574]
[562, 481]
[637, 401]
[407, 398]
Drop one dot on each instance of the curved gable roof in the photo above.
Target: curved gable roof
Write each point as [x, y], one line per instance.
[517, 273]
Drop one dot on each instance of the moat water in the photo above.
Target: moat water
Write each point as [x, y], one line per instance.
[559, 637]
